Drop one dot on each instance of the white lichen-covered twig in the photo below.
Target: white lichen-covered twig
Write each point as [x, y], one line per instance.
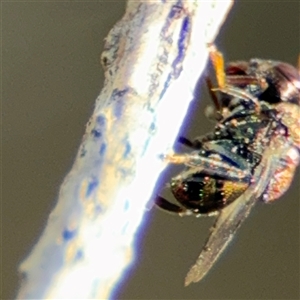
[152, 59]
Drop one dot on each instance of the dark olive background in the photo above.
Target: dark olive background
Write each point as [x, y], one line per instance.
[51, 76]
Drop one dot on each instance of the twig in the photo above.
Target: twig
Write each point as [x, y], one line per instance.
[152, 59]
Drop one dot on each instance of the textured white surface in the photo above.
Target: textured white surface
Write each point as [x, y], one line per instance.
[153, 58]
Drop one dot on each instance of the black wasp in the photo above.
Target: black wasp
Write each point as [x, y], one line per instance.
[251, 154]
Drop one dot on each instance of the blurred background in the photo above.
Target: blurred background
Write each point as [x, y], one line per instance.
[51, 76]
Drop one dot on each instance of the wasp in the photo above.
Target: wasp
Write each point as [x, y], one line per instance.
[251, 154]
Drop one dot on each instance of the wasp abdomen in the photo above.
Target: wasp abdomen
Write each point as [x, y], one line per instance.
[205, 194]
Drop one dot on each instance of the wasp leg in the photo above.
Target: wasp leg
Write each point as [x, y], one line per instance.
[240, 93]
[212, 94]
[170, 207]
[211, 165]
[213, 112]
[188, 143]
[241, 80]
[176, 159]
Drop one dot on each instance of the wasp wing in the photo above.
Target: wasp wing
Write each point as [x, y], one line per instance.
[231, 217]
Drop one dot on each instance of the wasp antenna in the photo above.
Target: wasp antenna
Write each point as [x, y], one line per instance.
[212, 93]
[217, 60]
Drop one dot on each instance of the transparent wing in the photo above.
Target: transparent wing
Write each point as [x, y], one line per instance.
[231, 217]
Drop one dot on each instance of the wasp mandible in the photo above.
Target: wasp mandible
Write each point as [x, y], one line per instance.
[251, 154]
